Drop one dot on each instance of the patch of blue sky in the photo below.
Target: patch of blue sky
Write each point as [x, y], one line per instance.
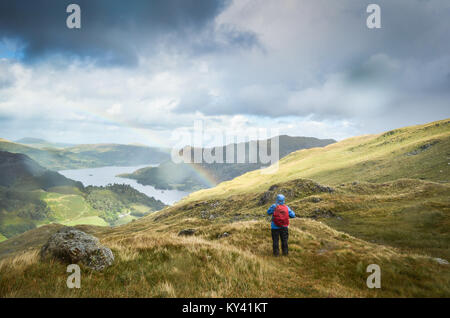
[11, 49]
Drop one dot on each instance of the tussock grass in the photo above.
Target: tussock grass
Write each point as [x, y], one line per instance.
[147, 266]
[375, 209]
[323, 262]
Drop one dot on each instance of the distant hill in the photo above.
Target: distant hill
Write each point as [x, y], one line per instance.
[186, 177]
[41, 143]
[169, 175]
[54, 159]
[119, 155]
[19, 170]
[22, 183]
[86, 156]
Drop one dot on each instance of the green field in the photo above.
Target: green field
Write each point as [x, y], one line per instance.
[88, 220]
[126, 219]
[68, 207]
[23, 210]
[2, 238]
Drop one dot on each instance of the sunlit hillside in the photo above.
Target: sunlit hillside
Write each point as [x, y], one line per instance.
[381, 199]
[420, 152]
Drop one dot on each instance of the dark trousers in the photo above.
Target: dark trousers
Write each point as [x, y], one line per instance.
[284, 234]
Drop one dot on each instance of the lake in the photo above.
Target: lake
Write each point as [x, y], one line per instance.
[107, 175]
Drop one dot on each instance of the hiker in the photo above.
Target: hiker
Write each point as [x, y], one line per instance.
[280, 222]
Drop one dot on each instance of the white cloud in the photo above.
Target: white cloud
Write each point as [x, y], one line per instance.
[115, 109]
[319, 72]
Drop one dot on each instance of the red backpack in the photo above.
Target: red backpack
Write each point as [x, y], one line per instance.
[281, 215]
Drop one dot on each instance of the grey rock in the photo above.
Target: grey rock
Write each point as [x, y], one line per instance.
[273, 187]
[265, 198]
[322, 213]
[186, 232]
[215, 204]
[73, 246]
[225, 234]
[422, 148]
[441, 261]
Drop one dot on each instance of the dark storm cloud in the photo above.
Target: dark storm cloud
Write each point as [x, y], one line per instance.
[357, 72]
[314, 61]
[115, 31]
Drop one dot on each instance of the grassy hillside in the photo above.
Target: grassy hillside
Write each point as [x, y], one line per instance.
[20, 171]
[381, 214]
[113, 205]
[420, 152]
[31, 195]
[50, 158]
[119, 155]
[153, 261]
[120, 204]
[184, 176]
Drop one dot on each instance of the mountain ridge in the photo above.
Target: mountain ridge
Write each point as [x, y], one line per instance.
[374, 158]
[88, 156]
[185, 176]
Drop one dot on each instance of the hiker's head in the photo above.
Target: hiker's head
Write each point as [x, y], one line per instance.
[280, 199]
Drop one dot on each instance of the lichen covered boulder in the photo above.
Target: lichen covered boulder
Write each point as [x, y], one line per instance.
[73, 246]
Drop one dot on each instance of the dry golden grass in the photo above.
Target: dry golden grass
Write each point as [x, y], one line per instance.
[323, 262]
[399, 224]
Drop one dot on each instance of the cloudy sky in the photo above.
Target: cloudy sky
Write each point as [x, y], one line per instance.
[138, 70]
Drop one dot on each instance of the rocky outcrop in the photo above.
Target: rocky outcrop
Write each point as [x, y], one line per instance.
[73, 246]
[323, 213]
[422, 148]
[186, 232]
[293, 189]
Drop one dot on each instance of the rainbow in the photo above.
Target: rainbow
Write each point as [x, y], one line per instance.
[205, 176]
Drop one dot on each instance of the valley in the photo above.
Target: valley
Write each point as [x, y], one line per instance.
[32, 196]
[375, 199]
[192, 175]
[103, 176]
